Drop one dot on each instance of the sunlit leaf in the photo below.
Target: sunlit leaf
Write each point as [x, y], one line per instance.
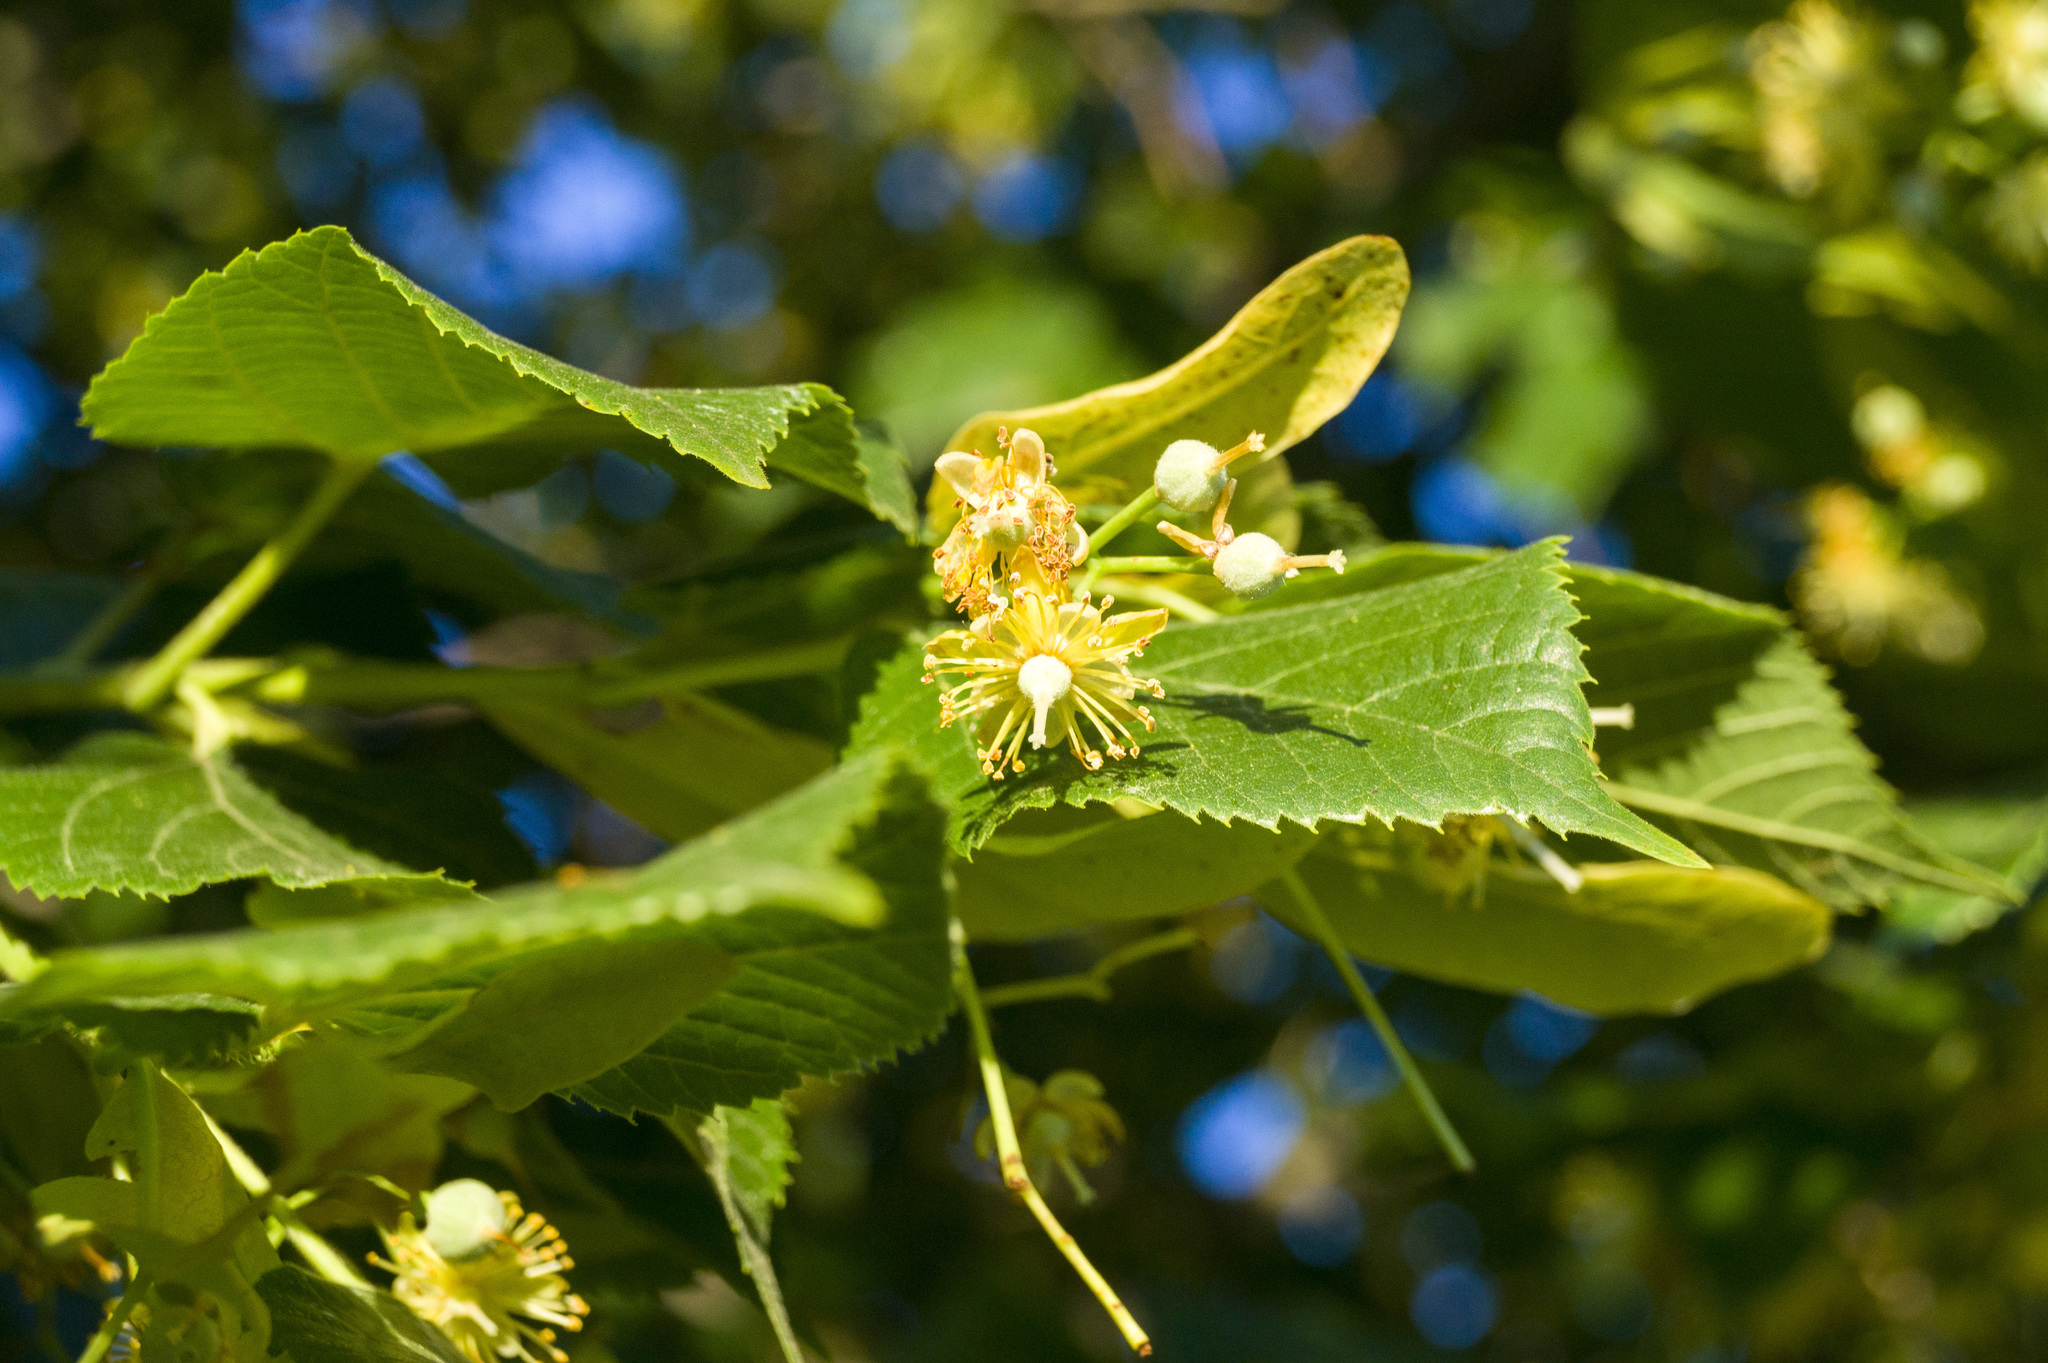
[313, 343]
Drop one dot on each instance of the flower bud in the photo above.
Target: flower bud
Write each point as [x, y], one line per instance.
[465, 1219]
[1189, 476]
[1251, 566]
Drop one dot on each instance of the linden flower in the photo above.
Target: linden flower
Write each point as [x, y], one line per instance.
[1064, 1120]
[478, 1299]
[1046, 669]
[1008, 506]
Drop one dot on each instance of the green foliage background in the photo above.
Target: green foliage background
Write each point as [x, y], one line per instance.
[1753, 292]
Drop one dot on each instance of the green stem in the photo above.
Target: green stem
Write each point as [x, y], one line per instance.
[1094, 984]
[156, 677]
[1140, 507]
[1155, 563]
[110, 1328]
[1340, 957]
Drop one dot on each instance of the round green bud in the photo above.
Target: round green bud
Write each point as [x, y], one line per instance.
[1186, 477]
[1252, 566]
[465, 1219]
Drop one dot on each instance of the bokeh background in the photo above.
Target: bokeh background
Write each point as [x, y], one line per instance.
[1745, 295]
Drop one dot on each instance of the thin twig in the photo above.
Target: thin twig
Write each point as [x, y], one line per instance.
[1094, 982]
[1340, 957]
[1010, 1156]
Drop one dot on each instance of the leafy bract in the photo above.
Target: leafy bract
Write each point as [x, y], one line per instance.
[1453, 695]
[1059, 869]
[313, 343]
[123, 811]
[1292, 358]
[1637, 937]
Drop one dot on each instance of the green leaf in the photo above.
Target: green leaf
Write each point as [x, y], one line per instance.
[1638, 937]
[698, 763]
[1459, 694]
[45, 1139]
[123, 811]
[746, 1152]
[568, 1015]
[1292, 358]
[743, 866]
[1740, 745]
[812, 998]
[313, 343]
[331, 1107]
[315, 1321]
[1056, 870]
[2005, 832]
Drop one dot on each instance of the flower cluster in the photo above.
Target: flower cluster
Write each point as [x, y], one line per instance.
[1038, 663]
[481, 1270]
[1063, 1121]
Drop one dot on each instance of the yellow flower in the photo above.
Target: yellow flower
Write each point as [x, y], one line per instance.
[1044, 668]
[479, 1268]
[1064, 1120]
[1821, 92]
[1009, 508]
[1855, 590]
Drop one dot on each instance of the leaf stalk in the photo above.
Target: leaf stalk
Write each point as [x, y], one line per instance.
[1094, 982]
[154, 680]
[1411, 1074]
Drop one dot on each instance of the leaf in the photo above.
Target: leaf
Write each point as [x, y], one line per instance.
[45, 1139]
[183, 1216]
[332, 1108]
[746, 1152]
[1740, 746]
[1292, 358]
[314, 1321]
[2006, 832]
[698, 763]
[567, 1015]
[313, 343]
[1638, 937]
[743, 866]
[1456, 694]
[812, 998]
[1057, 870]
[123, 811]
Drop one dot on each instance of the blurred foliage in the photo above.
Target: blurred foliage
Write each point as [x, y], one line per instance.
[1747, 295]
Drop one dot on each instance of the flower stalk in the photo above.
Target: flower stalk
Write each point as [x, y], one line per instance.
[1010, 1155]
